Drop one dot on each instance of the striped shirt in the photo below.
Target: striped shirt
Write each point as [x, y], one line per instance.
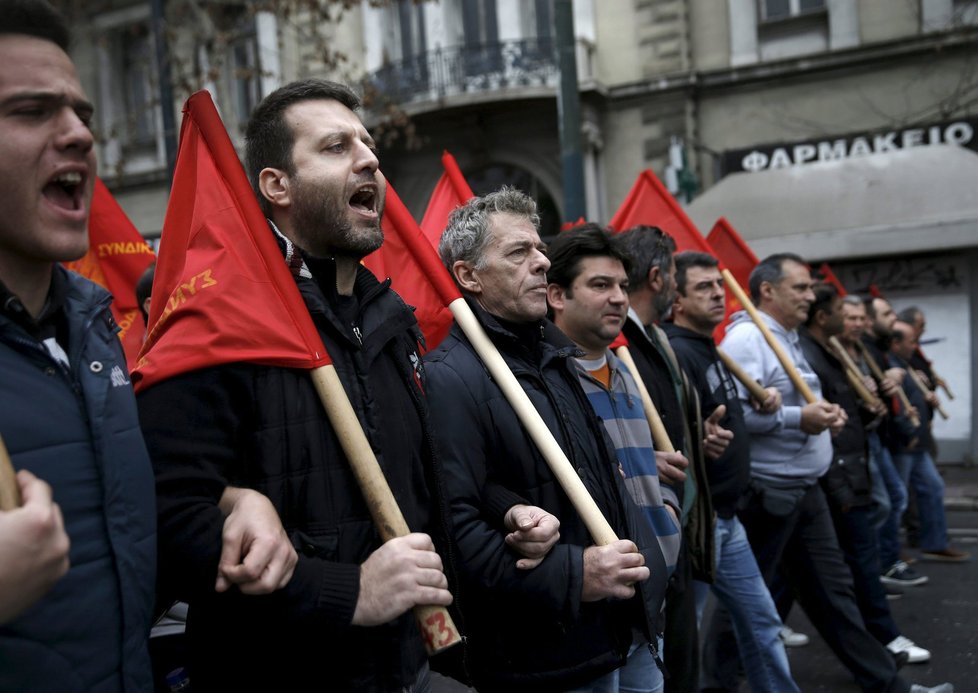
[620, 409]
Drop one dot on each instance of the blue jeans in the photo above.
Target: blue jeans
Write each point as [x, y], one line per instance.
[740, 587]
[640, 674]
[917, 470]
[889, 533]
[880, 509]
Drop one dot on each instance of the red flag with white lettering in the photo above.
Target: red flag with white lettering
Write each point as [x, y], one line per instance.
[222, 291]
[650, 203]
[117, 257]
[416, 273]
[451, 191]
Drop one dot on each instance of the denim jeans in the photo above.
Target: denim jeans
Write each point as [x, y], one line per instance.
[889, 533]
[917, 470]
[740, 588]
[640, 674]
[881, 507]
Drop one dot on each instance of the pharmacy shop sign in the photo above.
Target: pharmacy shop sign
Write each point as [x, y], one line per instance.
[962, 132]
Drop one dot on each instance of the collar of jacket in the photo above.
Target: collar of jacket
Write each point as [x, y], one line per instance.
[673, 330]
[552, 341]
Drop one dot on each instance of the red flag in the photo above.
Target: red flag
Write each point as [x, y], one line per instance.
[416, 272]
[649, 203]
[736, 256]
[117, 257]
[451, 191]
[222, 291]
[828, 276]
[568, 225]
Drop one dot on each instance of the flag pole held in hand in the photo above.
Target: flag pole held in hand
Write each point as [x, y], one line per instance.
[755, 315]
[9, 490]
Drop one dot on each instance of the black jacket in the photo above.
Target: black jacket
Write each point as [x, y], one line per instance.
[680, 404]
[262, 427]
[729, 476]
[528, 629]
[847, 481]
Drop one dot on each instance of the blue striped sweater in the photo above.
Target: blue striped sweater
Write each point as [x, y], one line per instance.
[620, 409]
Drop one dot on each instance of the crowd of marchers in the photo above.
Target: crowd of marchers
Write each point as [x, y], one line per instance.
[226, 489]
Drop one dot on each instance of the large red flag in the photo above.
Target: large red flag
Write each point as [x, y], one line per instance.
[222, 291]
[736, 256]
[451, 191]
[650, 203]
[828, 276]
[117, 257]
[416, 273]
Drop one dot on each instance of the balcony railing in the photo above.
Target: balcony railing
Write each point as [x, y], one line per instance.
[468, 69]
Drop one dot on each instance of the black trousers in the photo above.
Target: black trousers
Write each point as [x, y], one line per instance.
[805, 547]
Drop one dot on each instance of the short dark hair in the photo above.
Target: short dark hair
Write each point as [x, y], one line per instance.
[570, 247]
[269, 140]
[648, 247]
[771, 270]
[691, 258]
[35, 18]
[144, 288]
[869, 302]
[909, 314]
[825, 294]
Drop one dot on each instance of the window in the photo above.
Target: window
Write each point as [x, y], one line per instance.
[129, 117]
[774, 10]
[244, 73]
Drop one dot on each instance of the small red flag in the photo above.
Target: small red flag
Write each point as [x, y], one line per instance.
[222, 291]
[451, 191]
[117, 257]
[828, 276]
[650, 203]
[736, 256]
[416, 272]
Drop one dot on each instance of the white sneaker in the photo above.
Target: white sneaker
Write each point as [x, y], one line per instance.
[915, 655]
[792, 639]
[941, 688]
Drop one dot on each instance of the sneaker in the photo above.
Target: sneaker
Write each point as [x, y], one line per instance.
[901, 575]
[915, 654]
[941, 688]
[792, 639]
[947, 555]
[892, 593]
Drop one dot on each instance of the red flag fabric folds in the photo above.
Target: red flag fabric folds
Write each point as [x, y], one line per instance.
[416, 272]
[222, 291]
[737, 257]
[117, 257]
[650, 203]
[451, 191]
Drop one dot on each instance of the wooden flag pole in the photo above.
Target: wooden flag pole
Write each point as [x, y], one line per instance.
[437, 628]
[753, 387]
[878, 373]
[563, 470]
[659, 433]
[853, 374]
[941, 383]
[926, 390]
[9, 490]
[786, 362]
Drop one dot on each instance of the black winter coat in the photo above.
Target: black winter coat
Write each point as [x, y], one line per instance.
[262, 427]
[528, 629]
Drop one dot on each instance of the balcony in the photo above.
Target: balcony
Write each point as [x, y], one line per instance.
[467, 70]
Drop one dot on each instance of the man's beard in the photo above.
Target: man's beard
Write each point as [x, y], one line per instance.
[324, 227]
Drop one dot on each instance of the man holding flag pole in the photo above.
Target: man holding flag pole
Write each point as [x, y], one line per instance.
[247, 305]
[571, 620]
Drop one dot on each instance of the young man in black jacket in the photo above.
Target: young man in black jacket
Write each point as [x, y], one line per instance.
[739, 586]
